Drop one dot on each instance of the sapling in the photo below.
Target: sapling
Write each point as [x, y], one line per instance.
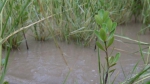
[105, 39]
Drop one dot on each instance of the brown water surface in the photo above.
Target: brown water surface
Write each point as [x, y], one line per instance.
[44, 64]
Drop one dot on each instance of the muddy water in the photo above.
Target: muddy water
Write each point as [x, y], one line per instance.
[44, 64]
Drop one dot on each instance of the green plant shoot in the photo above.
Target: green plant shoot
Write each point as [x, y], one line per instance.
[105, 39]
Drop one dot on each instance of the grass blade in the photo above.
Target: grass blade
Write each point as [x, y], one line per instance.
[66, 77]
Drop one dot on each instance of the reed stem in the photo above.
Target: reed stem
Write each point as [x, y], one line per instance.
[0, 52]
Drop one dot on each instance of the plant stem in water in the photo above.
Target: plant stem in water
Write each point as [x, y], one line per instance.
[106, 52]
[25, 40]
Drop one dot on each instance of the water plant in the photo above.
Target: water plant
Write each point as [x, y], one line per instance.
[15, 16]
[3, 64]
[145, 16]
[137, 8]
[105, 39]
[7, 27]
[38, 10]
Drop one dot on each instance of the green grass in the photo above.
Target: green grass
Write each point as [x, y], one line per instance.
[72, 20]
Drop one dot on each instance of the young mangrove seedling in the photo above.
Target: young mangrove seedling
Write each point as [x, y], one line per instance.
[105, 38]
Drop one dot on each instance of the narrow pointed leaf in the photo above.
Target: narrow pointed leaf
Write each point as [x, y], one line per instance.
[114, 25]
[111, 60]
[112, 65]
[132, 80]
[112, 31]
[111, 71]
[116, 57]
[97, 34]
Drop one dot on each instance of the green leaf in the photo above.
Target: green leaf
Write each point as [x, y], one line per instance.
[113, 28]
[112, 31]
[111, 71]
[111, 34]
[100, 46]
[111, 60]
[112, 65]
[114, 25]
[98, 19]
[101, 13]
[105, 16]
[110, 42]
[104, 26]
[103, 34]
[97, 34]
[2, 4]
[109, 24]
[116, 57]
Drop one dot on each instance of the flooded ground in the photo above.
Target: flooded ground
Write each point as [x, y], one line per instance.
[43, 63]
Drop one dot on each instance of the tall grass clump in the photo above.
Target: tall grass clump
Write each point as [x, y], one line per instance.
[145, 15]
[73, 19]
[120, 11]
[78, 23]
[10, 21]
[38, 10]
[3, 64]
[15, 16]
[137, 6]
[75, 23]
